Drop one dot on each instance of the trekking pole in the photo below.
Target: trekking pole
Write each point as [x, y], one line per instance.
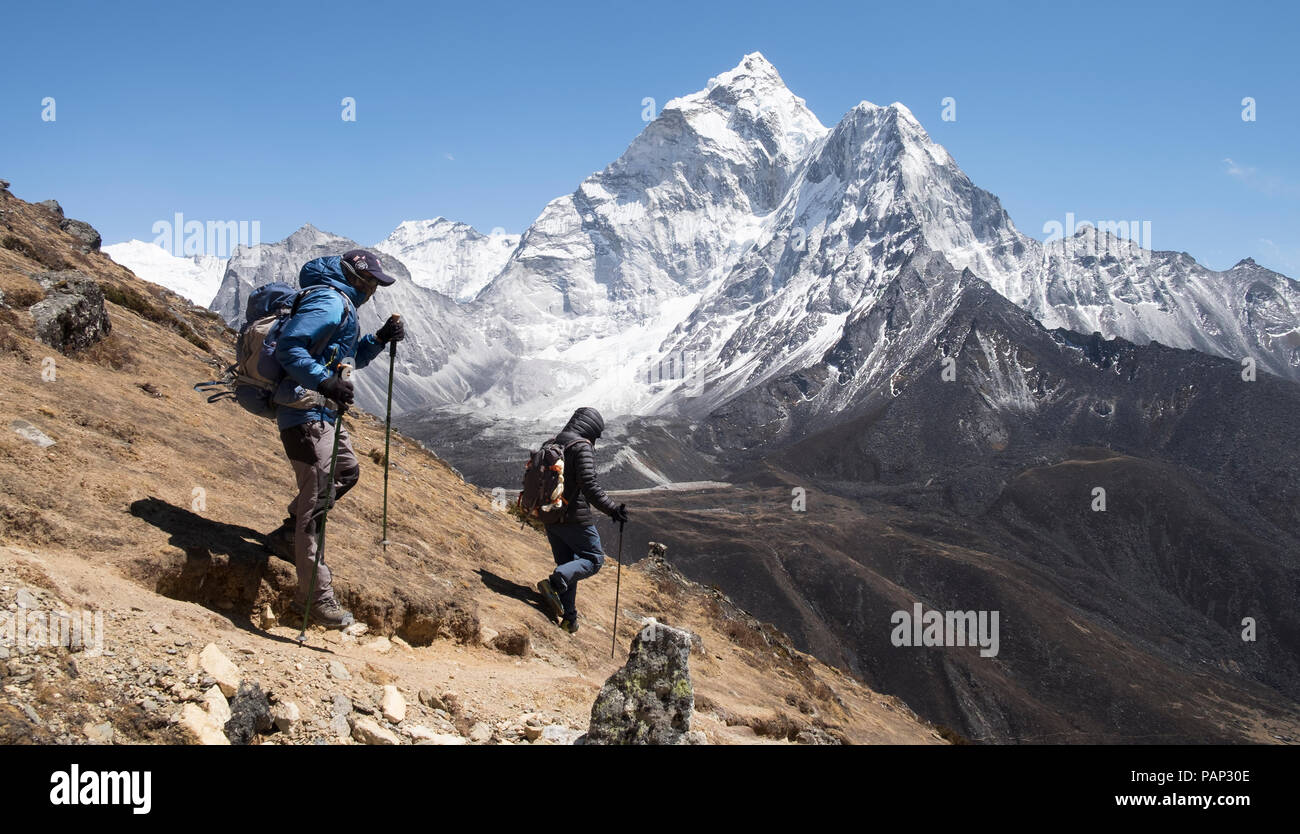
[388, 430]
[345, 373]
[618, 584]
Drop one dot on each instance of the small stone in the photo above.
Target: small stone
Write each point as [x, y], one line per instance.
[560, 734]
[451, 702]
[214, 700]
[340, 727]
[341, 704]
[422, 733]
[286, 715]
[156, 628]
[216, 664]
[338, 671]
[356, 629]
[486, 635]
[30, 433]
[202, 725]
[480, 733]
[269, 620]
[516, 642]
[393, 705]
[26, 599]
[401, 644]
[367, 731]
[99, 733]
[445, 739]
[430, 700]
[380, 644]
[532, 732]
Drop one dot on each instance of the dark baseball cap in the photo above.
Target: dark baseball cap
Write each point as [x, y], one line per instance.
[368, 262]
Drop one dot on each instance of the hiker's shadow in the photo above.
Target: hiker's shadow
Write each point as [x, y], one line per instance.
[508, 588]
[229, 586]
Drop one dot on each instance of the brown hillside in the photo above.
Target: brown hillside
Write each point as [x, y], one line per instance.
[151, 505]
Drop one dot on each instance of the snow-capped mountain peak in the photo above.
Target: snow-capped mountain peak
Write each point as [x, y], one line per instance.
[750, 102]
[196, 277]
[451, 257]
[737, 242]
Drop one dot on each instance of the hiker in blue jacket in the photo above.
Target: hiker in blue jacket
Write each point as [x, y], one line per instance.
[323, 331]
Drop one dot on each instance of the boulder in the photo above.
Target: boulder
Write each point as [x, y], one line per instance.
[368, 731]
[250, 714]
[85, 234]
[650, 700]
[222, 670]
[217, 706]
[72, 315]
[202, 725]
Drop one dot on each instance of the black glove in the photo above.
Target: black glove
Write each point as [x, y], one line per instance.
[392, 331]
[338, 390]
[620, 514]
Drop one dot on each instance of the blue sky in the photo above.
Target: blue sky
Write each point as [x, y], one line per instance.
[484, 112]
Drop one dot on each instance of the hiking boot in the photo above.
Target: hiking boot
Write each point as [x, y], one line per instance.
[327, 613]
[280, 540]
[551, 598]
[570, 624]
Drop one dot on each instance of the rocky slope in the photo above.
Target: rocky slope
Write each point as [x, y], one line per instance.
[968, 479]
[122, 492]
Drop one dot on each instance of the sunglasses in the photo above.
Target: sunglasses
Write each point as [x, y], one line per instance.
[362, 280]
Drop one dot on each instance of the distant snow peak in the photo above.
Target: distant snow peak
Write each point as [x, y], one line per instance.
[196, 277]
[453, 258]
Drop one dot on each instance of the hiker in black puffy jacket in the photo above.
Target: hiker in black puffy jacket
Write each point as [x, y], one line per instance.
[574, 540]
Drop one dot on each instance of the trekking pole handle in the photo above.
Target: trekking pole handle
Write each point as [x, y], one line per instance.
[345, 369]
[392, 346]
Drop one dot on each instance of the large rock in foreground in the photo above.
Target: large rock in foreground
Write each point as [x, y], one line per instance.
[72, 315]
[650, 700]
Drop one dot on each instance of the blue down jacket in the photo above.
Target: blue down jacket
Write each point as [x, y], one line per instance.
[322, 332]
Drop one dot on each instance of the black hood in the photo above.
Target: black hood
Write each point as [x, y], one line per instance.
[585, 422]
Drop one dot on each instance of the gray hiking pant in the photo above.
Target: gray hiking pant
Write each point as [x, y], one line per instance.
[309, 446]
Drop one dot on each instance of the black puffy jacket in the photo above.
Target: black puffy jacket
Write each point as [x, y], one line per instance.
[581, 492]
